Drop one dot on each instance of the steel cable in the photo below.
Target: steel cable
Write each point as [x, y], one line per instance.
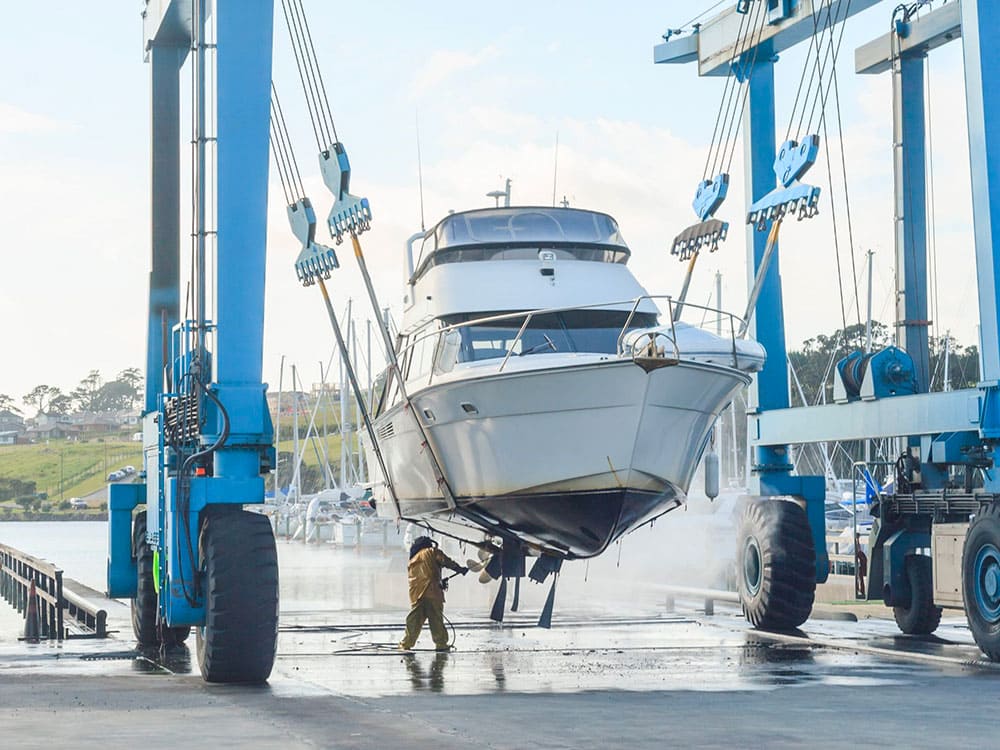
[290, 151]
[738, 120]
[819, 35]
[318, 71]
[725, 102]
[284, 154]
[310, 76]
[831, 55]
[755, 32]
[847, 197]
[306, 84]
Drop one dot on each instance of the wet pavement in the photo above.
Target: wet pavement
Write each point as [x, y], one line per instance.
[616, 670]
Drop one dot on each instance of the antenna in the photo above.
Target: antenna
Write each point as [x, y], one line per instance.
[420, 173]
[555, 170]
[498, 194]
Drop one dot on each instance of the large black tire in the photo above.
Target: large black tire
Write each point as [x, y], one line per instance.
[239, 640]
[921, 617]
[776, 565]
[981, 580]
[144, 606]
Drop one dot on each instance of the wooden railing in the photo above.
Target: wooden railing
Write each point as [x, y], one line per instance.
[19, 570]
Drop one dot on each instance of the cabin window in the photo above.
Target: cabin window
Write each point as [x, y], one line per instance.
[420, 357]
[580, 331]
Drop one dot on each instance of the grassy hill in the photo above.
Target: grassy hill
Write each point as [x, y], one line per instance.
[66, 469]
[63, 469]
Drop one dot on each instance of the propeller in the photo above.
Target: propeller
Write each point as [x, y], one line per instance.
[488, 565]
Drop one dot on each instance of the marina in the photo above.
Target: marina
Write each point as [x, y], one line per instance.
[616, 667]
[551, 487]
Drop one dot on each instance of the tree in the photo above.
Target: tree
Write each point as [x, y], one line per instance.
[113, 396]
[963, 364]
[7, 404]
[40, 396]
[133, 379]
[60, 405]
[87, 394]
[815, 363]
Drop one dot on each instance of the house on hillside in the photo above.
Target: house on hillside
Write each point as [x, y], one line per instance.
[11, 422]
[53, 431]
[94, 423]
[128, 417]
[9, 437]
[45, 421]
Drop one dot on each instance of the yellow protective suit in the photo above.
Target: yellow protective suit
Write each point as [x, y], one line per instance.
[426, 597]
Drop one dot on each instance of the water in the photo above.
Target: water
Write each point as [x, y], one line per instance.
[80, 548]
[332, 584]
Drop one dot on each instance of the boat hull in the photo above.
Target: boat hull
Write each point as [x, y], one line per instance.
[567, 458]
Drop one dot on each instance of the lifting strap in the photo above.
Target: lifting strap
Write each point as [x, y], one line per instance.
[349, 215]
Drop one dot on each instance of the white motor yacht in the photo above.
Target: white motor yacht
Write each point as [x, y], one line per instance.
[561, 404]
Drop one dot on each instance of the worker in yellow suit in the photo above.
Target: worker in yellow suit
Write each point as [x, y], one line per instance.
[426, 594]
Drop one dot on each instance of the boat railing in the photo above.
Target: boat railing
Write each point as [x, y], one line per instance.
[650, 351]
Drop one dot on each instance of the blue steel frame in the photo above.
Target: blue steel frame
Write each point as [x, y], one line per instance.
[243, 76]
[980, 24]
[772, 467]
[911, 208]
[772, 417]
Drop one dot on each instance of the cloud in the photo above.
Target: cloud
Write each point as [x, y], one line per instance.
[75, 248]
[445, 64]
[20, 121]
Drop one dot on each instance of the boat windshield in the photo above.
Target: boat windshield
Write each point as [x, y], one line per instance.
[520, 233]
[587, 331]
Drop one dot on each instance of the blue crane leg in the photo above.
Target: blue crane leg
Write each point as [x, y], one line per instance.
[244, 76]
[770, 388]
[164, 295]
[982, 70]
[911, 225]
[768, 325]
[164, 279]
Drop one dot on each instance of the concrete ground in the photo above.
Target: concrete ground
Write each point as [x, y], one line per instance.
[616, 670]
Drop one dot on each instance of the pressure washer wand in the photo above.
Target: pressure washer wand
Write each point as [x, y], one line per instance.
[444, 581]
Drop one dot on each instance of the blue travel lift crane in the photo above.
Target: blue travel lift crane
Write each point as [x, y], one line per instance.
[193, 557]
[936, 540]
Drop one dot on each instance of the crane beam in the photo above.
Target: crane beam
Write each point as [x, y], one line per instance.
[718, 40]
[167, 23]
[920, 414]
[923, 34]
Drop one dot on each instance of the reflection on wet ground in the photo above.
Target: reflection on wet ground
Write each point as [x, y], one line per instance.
[342, 616]
[668, 653]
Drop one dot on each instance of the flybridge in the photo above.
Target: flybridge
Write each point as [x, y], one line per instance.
[518, 233]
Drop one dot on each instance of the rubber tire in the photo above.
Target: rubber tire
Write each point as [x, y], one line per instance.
[175, 636]
[239, 640]
[921, 617]
[984, 529]
[144, 605]
[784, 597]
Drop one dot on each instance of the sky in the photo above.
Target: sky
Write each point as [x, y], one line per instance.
[492, 86]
